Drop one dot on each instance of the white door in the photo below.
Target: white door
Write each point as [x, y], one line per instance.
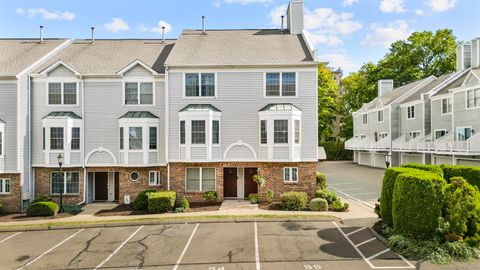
[111, 186]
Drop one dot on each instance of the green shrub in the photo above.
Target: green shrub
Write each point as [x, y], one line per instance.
[270, 194]
[210, 196]
[338, 206]
[72, 208]
[161, 201]
[318, 204]
[328, 195]
[40, 209]
[184, 203]
[335, 150]
[141, 201]
[387, 192]
[425, 167]
[417, 204]
[462, 209]
[180, 210]
[41, 198]
[321, 180]
[469, 173]
[253, 197]
[293, 201]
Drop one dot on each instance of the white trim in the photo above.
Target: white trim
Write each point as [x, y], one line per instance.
[65, 183]
[411, 103]
[57, 64]
[62, 81]
[139, 81]
[280, 83]
[474, 89]
[157, 180]
[239, 143]
[100, 150]
[200, 179]
[413, 112]
[3, 184]
[451, 107]
[135, 180]
[200, 97]
[383, 116]
[44, 58]
[290, 174]
[464, 83]
[435, 133]
[133, 64]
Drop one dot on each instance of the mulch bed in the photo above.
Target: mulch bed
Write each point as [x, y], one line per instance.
[270, 206]
[378, 228]
[126, 210]
[23, 217]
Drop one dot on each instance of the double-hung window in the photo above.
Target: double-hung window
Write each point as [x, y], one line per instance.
[198, 131]
[464, 133]
[297, 131]
[280, 84]
[439, 133]
[199, 84]
[364, 118]
[62, 93]
[414, 134]
[59, 185]
[56, 138]
[446, 105]
[215, 132]
[411, 112]
[75, 143]
[380, 116]
[121, 138]
[290, 174]
[473, 98]
[280, 131]
[135, 138]
[152, 138]
[182, 132]
[139, 93]
[4, 186]
[154, 178]
[263, 132]
[200, 179]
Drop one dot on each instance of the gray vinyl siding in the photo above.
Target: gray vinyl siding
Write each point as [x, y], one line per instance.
[240, 96]
[439, 160]
[462, 116]
[138, 71]
[380, 127]
[409, 125]
[395, 122]
[439, 120]
[61, 71]
[409, 158]
[365, 129]
[8, 113]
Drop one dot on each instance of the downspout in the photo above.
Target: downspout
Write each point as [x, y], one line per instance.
[166, 127]
[82, 132]
[29, 132]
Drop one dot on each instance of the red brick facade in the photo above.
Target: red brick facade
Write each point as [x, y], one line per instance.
[42, 184]
[12, 202]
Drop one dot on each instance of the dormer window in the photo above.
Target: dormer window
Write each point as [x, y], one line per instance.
[199, 84]
[62, 93]
[139, 93]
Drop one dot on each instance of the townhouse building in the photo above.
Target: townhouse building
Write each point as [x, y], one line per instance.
[435, 122]
[206, 111]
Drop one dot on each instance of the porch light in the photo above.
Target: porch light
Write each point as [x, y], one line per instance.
[388, 160]
[60, 159]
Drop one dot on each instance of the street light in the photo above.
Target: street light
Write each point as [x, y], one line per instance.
[388, 160]
[60, 163]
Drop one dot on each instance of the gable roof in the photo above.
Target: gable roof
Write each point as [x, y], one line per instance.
[109, 56]
[71, 115]
[453, 84]
[429, 87]
[139, 114]
[16, 55]
[239, 48]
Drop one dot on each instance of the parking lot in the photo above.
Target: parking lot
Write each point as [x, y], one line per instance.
[210, 246]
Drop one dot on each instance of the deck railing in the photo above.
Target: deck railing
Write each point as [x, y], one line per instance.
[445, 143]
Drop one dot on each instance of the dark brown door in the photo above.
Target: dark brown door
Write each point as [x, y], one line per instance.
[101, 188]
[117, 185]
[250, 185]
[230, 182]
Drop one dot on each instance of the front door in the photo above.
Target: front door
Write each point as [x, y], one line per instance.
[250, 185]
[230, 182]
[101, 187]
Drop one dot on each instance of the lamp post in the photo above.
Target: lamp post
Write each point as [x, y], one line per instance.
[60, 163]
[388, 160]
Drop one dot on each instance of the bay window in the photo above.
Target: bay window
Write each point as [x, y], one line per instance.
[75, 143]
[215, 132]
[297, 131]
[135, 138]
[263, 132]
[198, 132]
[182, 132]
[200, 179]
[280, 131]
[65, 182]
[153, 138]
[56, 138]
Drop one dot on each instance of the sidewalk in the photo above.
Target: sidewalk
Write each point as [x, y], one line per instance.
[356, 211]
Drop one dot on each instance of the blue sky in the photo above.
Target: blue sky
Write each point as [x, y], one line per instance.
[346, 33]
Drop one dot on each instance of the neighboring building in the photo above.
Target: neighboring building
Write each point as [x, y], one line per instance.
[205, 112]
[433, 123]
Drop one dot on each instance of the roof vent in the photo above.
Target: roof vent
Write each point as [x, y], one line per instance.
[281, 27]
[464, 56]
[203, 25]
[384, 86]
[93, 32]
[41, 33]
[476, 53]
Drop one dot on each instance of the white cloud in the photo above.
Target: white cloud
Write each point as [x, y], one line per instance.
[218, 3]
[441, 5]
[116, 25]
[47, 15]
[339, 61]
[348, 3]
[324, 25]
[157, 28]
[383, 36]
[393, 6]
[419, 12]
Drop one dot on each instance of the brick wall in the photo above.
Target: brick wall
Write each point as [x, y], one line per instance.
[12, 202]
[132, 188]
[42, 184]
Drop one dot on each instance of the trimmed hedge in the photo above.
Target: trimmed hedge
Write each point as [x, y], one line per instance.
[469, 173]
[425, 167]
[387, 192]
[293, 201]
[335, 150]
[318, 204]
[42, 209]
[141, 201]
[417, 204]
[161, 201]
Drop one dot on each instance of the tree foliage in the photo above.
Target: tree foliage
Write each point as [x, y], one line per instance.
[328, 101]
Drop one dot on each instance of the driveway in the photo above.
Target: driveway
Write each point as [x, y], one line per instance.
[359, 182]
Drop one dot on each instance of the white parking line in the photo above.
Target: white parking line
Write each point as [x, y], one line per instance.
[350, 189]
[378, 254]
[257, 255]
[11, 236]
[50, 250]
[118, 248]
[350, 233]
[364, 193]
[341, 184]
[185, 248]
[366, 241]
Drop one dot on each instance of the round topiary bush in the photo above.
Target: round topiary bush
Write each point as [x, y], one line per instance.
[318, 204]
[328, 195]
[40, 209]
[293, 201]
[141, 201]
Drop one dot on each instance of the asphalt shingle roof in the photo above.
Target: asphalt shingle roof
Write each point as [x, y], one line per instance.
[139, 114]
[199, 107]
[18, 54]
[454, 84]
[239, 48]
[280, 107]
[429, 87]
[63, 115]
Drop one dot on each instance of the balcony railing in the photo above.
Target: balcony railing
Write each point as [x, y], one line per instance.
[445, 143]
[381, 145]
[401, 144]
[357, 143]
[448, 145]
[426, 144]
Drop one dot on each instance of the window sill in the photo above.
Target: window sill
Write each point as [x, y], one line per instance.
[5, 193]
[290, 183]
[65, 195]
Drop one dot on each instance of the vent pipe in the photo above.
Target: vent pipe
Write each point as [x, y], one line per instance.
[163, 34]
[203, 25]
[41, 33]
[93, 32]
[281, 27]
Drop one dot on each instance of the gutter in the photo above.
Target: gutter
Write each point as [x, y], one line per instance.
[82, 141]
[167, 133]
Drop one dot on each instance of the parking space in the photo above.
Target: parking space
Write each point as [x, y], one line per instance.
[210, 246]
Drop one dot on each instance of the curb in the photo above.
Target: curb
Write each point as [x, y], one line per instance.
[378, 236]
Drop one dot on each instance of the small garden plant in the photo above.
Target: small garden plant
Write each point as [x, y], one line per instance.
[293, 201]
[259, 179]
[253, 198]
[269, 195]
[210, 196]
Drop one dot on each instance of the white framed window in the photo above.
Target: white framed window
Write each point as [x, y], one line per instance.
[411, 112]
[135, 141]
[154, 178]
[280, 84]
[182, 132]
[473, 98]
[439, 133]
[56, 138]
[4, 186]
[263, 132]
[152, 142]
[464, 133]
[75, 143]
[380, 116]
[290, 174]
[199, 84]
[59, 185]
[414, 134]
[121, 138]
[138, 93]
[280, 131]
[198, 131]
[62, 93]
[200, 179]
[297, 131]
[364, 118]
[446, 105]
[215, 132]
